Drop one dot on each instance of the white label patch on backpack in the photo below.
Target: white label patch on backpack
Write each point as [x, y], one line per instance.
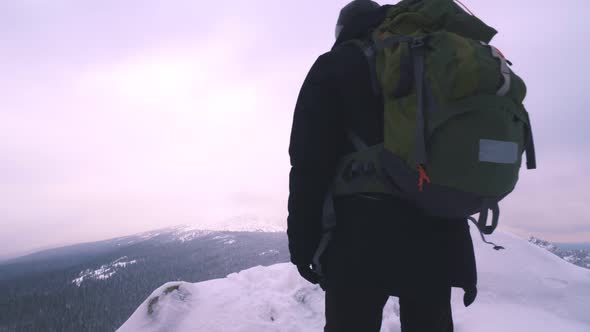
[499, 152]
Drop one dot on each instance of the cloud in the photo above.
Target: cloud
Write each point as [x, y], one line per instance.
[553, 200]
[121, 116]
[156, 138]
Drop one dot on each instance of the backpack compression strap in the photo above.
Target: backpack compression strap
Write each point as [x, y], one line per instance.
[418, 53]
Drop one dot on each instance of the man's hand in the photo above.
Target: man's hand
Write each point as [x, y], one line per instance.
[470, 295]
[308, 274]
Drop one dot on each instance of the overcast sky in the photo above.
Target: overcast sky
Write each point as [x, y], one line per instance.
[123, 116]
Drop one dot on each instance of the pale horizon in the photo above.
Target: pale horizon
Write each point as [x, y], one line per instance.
[123, 117]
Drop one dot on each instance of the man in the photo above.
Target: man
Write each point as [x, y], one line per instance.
[381, 245]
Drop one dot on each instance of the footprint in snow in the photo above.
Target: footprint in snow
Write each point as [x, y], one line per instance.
[555, 282]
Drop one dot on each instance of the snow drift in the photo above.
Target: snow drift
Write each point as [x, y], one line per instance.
[522, 288]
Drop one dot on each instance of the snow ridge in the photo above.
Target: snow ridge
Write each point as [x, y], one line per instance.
[522, 288]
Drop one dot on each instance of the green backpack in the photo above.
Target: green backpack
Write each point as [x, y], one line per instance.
[455, 127]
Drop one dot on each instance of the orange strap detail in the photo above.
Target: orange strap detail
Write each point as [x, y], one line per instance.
[499, 52]
[423, 177]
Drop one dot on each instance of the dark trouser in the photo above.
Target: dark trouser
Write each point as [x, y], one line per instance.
[361, 310]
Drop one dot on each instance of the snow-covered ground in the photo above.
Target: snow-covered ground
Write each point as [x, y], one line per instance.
[104, 272]
[522, 288]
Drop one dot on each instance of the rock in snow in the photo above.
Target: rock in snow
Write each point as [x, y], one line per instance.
[522, 288]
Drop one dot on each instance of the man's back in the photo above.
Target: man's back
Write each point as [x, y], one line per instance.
[380, 245]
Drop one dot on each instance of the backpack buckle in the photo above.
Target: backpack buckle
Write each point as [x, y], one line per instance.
[352, 170]
[417, 42]
[356, 168]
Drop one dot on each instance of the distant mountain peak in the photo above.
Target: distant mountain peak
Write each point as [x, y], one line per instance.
[578, 257]
[238, 223]
[542, 243]
[186, 233]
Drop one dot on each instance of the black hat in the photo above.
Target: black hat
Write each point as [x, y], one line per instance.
[352, 10]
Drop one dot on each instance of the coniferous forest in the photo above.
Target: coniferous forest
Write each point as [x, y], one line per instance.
[40, 293]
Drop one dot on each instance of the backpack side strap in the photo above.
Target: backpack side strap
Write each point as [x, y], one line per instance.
[483, 238]
[531, 156]
[483, 217]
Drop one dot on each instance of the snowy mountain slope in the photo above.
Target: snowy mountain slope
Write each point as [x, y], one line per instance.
[523, 288]
[179, 233]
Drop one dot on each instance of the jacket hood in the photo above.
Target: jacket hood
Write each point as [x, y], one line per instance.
[362, 25]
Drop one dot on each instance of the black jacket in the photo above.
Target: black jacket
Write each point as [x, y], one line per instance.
[386, 243]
